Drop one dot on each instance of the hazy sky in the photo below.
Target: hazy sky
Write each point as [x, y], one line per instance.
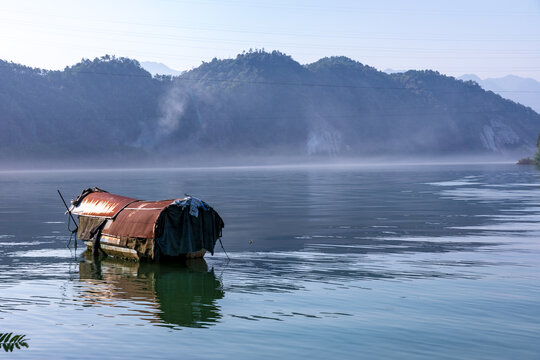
[489, 38]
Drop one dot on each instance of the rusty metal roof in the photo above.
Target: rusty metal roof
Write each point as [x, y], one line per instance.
[102, 204]
[129, 217]
[138, 219]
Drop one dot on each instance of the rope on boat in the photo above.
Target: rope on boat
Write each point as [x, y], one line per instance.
[224, 249]
[74, 231]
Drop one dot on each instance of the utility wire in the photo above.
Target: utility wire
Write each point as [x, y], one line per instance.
[302, 45]
[438, 37]
[181, 78]
[359, 115]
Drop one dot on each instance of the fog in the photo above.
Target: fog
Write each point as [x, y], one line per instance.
[213, 161]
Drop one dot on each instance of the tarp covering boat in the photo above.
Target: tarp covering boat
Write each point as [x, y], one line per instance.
[138, 229]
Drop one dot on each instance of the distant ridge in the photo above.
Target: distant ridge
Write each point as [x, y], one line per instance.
[525, 91]
[393, 71]
[157, 68]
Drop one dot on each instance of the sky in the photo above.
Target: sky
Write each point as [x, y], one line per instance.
[487, 38]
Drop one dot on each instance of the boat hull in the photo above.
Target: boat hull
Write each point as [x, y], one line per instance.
[131, 254]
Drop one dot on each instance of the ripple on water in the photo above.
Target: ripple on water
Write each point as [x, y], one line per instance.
[455, 183]
[484, 194]
[505, 226]
[62, 253]
[25, 243]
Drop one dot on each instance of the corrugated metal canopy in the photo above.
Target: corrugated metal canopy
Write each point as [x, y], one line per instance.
[137, 220]
[102, 204]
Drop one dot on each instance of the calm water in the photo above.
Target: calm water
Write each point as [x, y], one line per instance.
[416, 262]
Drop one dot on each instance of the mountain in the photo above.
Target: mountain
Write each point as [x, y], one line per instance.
[470, 77]
[157, 68]
[393, 71]
[258, 104]
[525, 91]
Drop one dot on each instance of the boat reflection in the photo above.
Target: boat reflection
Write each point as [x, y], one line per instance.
[174, 294]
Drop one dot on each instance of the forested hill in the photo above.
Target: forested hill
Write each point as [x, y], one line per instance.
[259, 103]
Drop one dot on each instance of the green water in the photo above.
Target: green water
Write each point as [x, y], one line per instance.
[416, 262]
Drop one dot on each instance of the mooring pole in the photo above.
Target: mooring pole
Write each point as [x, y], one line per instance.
[67, 208]
[72, 218]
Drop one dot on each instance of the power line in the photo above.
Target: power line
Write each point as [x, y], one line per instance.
[374, 115]
[370, 10]
[302, 45]
[287, 34]
[389, 52]
[181, 78]
[327, 116]
[358, 115]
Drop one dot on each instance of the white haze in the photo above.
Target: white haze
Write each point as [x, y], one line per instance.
[172, 107]
[213, 161]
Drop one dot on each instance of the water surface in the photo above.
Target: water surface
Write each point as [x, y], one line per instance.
[415, 262]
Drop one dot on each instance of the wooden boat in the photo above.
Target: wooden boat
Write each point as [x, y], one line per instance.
[146, 230]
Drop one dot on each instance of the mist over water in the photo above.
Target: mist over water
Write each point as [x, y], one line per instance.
[279, 160]
[423, 261]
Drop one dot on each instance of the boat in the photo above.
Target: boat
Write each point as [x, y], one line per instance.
[141, 230]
